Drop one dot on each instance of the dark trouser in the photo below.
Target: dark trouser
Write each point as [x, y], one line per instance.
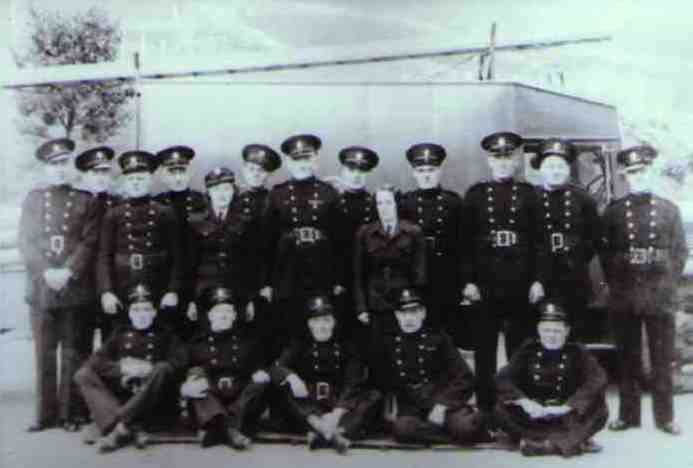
[453, 319]
[660, 333]
[354, 423]
[109, 403]
[489, 319]
[240, 412]
[566, 433]
[461, 426]
[56, 399]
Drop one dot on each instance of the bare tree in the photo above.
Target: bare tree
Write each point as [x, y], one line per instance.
[92, 112]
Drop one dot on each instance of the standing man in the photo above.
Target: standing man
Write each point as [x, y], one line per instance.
[500, 269]
[95, 164]
[643, 253]
[389, 255]
[58, 232]
[174, 170]
[571, 230]
[139, 243]
[259, 161]
[437, 212]
[356, 206]
[300, 224]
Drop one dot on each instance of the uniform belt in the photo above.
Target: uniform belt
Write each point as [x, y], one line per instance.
[139, 261]
[307, 235]
[503, 238]
[642, 256]
[225, 383]
[437, 244]
[319, 391]
[559, 241]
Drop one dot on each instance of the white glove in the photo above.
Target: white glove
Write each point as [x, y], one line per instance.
[298, 386]
[266, 292]
[261, 377]
[557, 411]
[195, 388]
[338, 290]
[536, 292]
[250, 311]
[110, 303]
[170, 299]
[533, 409]
[62, 276]
[50, 276]
[365, 318]
[192, 312]
[471, 292]
[437, 415]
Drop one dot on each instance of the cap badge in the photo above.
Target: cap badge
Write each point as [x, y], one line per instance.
[132, 162]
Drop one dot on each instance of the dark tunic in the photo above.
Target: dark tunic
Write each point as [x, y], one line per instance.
[570, 376]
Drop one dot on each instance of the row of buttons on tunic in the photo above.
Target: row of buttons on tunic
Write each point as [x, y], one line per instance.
[561, 366]
[652, 235]
[513, 207]
[294, 209]
[213, 349]
[367, 208]
[335, 353]
[567, 213]
[398, 350]
[48, 217]
[150, 223]
[150, 345]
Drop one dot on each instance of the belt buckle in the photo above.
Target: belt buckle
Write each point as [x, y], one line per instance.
[504, 239]
[638, 256]
[306, 234]
[322, 391]
[557, 241]
[225, 382]
[136, 261]
[57, 244]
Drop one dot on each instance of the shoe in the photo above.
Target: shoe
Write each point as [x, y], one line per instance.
[141, 440]
[72, 425]
[531, 448]
[38, 427]
[590, 446]
[314, 440]
[341, 444]
[90, 434]
[238, 440]
[620, 425]
[108, 443]
[670, 428]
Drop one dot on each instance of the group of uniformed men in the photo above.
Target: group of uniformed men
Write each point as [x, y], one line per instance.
[323, 301]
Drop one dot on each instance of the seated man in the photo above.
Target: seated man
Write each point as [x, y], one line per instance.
[225, 383]
[129, 382]
[428, 378]
[323, 381]
[551, 395]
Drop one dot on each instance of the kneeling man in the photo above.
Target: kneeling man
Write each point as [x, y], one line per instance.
[324, 379]
[551, 395]
[225, 383]
[129, 383]
[428, 378]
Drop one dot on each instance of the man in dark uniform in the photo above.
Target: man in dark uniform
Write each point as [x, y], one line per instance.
[226, 381]
[437, 212]
[259, 161]
[300, 223]
[130, 382]
[571, 231]
[643, 252]
[174, 170]
[323, 380]
[357, 207]
[428, 378]
[139, 242]
[58, 232]
[95, 164]
[389, 255]
[500, 269]
[552, 394]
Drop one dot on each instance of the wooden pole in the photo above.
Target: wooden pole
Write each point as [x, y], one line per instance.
[491, 52]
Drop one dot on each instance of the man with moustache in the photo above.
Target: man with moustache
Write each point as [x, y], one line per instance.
[58, 233]
[139, 242]
[300, 223]
[501, 265]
